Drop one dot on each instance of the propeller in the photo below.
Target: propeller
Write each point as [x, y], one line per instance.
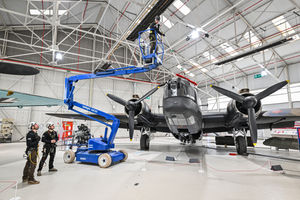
[131, 106]
[249, 102]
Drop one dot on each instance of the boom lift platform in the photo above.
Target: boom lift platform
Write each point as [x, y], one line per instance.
[98, 150]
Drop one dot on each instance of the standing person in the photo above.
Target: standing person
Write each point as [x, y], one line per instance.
[49, 138]
[155, 26]
[32, 142]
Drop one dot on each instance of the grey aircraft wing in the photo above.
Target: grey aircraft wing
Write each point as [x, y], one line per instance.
[160, 124]
[279, 118]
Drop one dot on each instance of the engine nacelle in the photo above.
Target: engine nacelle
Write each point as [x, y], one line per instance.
[141, 108]
[237, 110]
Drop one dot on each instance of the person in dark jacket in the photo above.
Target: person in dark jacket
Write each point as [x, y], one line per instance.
[49, 138]
[155, 26]
[32, 142]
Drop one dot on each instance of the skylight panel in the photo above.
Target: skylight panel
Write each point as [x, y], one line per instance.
[284, 27]
[182, 7]
[250, 36]
[228, 49]
[167, 22]
[195, 64]
[204, 70]
[46, 12]
[191, 74]
[210, 57]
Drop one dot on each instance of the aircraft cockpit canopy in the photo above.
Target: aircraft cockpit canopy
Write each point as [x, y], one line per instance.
[181, 88]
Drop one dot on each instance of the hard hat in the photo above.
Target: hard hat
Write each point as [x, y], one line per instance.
[31, 124]
[157, 17]
[49, 124]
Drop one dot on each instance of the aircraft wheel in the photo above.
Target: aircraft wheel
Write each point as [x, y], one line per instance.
[145, 142]
[126, 155]
[241, 146]
[104, 160]
[69, 156]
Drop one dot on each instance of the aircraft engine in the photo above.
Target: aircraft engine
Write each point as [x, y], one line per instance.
[235, 107]
[140, 108]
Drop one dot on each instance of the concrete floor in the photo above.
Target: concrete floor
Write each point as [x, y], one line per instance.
[147, 175]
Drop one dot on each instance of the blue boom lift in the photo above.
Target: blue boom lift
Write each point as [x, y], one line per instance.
[98, 150]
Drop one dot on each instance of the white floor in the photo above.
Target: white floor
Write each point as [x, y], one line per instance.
[147, 175]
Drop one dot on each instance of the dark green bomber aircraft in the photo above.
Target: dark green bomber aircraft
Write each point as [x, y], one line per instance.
[183, 118]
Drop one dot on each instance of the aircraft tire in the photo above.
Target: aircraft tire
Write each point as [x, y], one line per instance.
[145, 142]
[241, 146]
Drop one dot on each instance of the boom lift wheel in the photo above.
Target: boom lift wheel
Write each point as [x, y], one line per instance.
[126, 155]
[241, 146]
[69, 156]
[104, 160]
[145, 142]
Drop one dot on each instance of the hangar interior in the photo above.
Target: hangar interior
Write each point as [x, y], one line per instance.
[64, 38]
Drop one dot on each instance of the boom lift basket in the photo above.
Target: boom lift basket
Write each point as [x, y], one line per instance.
[155, 57]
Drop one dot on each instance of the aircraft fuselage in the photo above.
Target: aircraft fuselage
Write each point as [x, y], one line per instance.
[181, 108]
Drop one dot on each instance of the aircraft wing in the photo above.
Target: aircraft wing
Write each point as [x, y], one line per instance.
[18, 99]
[16, 68]
[279, 118]
[159, 123]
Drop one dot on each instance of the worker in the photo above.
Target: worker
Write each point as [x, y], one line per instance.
[155, 26]
[32, 142]
[49, 138]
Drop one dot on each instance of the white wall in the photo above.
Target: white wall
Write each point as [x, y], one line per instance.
[50, 83]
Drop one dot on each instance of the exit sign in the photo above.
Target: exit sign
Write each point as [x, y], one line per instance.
[257, 76]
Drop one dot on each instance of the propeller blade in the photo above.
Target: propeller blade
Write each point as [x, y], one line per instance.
[252, 125]
[117, 99]
[237, 97]
[271, 90]
[149, 93]
[131, 124]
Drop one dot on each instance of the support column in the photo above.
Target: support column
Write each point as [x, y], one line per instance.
[287, 75]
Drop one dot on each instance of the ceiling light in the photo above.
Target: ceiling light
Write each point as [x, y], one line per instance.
[59, 56]
[195, 34]
[264, 73]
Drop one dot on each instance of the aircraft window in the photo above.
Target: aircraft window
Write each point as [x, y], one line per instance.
[191, 120]
[171, 121]
[173, 86]
[179, 120]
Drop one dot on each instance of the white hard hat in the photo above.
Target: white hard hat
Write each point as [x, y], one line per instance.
[49, 124]
[31, 124]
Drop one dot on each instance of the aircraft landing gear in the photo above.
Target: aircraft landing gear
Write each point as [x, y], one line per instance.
[145, 139]
[240, 142]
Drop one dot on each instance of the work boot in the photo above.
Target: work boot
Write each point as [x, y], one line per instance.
[53, 170]
[39, 173]
[33, 182]
[24, 179]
